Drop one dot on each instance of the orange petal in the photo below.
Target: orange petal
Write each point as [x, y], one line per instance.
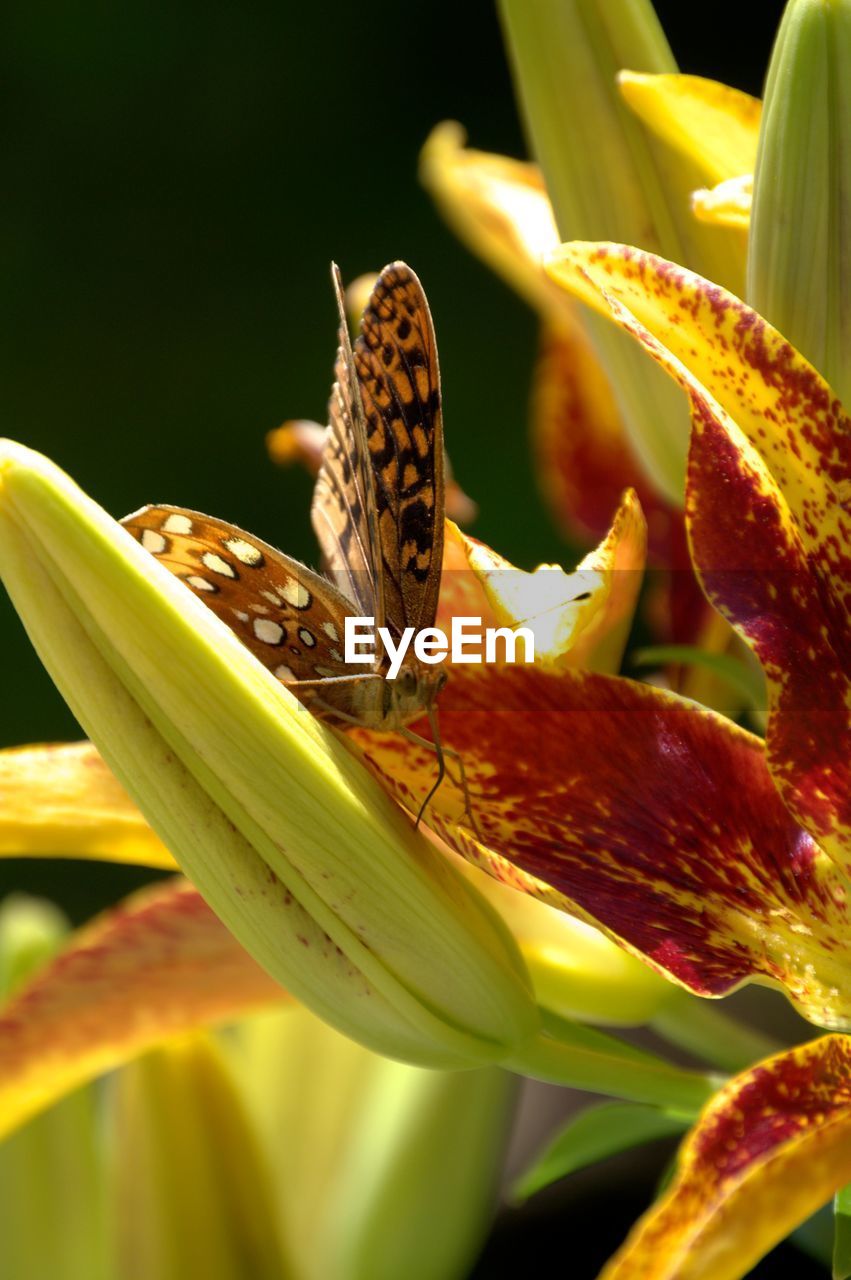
[769, 490]
[61, 801]
[159, 964]
[298, 441]
[644, 814]
[767, 1151]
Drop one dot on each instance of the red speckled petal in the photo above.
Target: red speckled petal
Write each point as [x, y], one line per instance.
[646, 815]
[768, 1150]
[769, 489]
[158, 965]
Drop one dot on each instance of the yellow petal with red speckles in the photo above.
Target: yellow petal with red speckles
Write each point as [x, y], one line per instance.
[714, 125]
[159, 964]
[644, 814]
[768, 497]
[768, 1150]
[60, 800]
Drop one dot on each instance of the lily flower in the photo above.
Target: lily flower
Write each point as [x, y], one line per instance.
[769, 456]
[584, 822]
[108, 667]
[592, 828]
[277, 1145]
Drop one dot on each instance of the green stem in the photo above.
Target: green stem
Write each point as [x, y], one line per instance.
[578, 1067]
[707, 1032]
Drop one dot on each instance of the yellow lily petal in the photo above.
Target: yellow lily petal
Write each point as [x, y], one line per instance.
[159, 964]
[61, 801]
[715, 126]
[768, 1150]
[726, 205]
[500, 208]
[744, 364]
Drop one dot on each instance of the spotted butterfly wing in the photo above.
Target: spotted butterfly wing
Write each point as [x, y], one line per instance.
[290, 618]
[386, 406]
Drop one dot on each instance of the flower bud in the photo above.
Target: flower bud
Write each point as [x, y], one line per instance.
[299, 851]
[190, 1190]
[368, 1154]
[603, 177]
[799, 272]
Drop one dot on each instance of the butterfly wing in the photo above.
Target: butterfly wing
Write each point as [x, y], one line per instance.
[379, 498]
[344, 512]
[290, 618]
[398, 377]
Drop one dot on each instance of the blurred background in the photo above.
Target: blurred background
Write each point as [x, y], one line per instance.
[176, 178]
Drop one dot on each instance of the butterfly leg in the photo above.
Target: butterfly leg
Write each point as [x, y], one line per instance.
[310, 691]
[442, 753]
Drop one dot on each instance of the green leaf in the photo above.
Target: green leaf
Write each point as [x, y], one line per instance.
[593, 1135]
[745, 681]
[842, 1234]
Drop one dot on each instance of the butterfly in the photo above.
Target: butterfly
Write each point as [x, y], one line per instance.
[378, 513]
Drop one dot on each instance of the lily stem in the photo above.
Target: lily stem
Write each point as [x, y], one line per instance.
[632, 1079]
[703, 1029]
